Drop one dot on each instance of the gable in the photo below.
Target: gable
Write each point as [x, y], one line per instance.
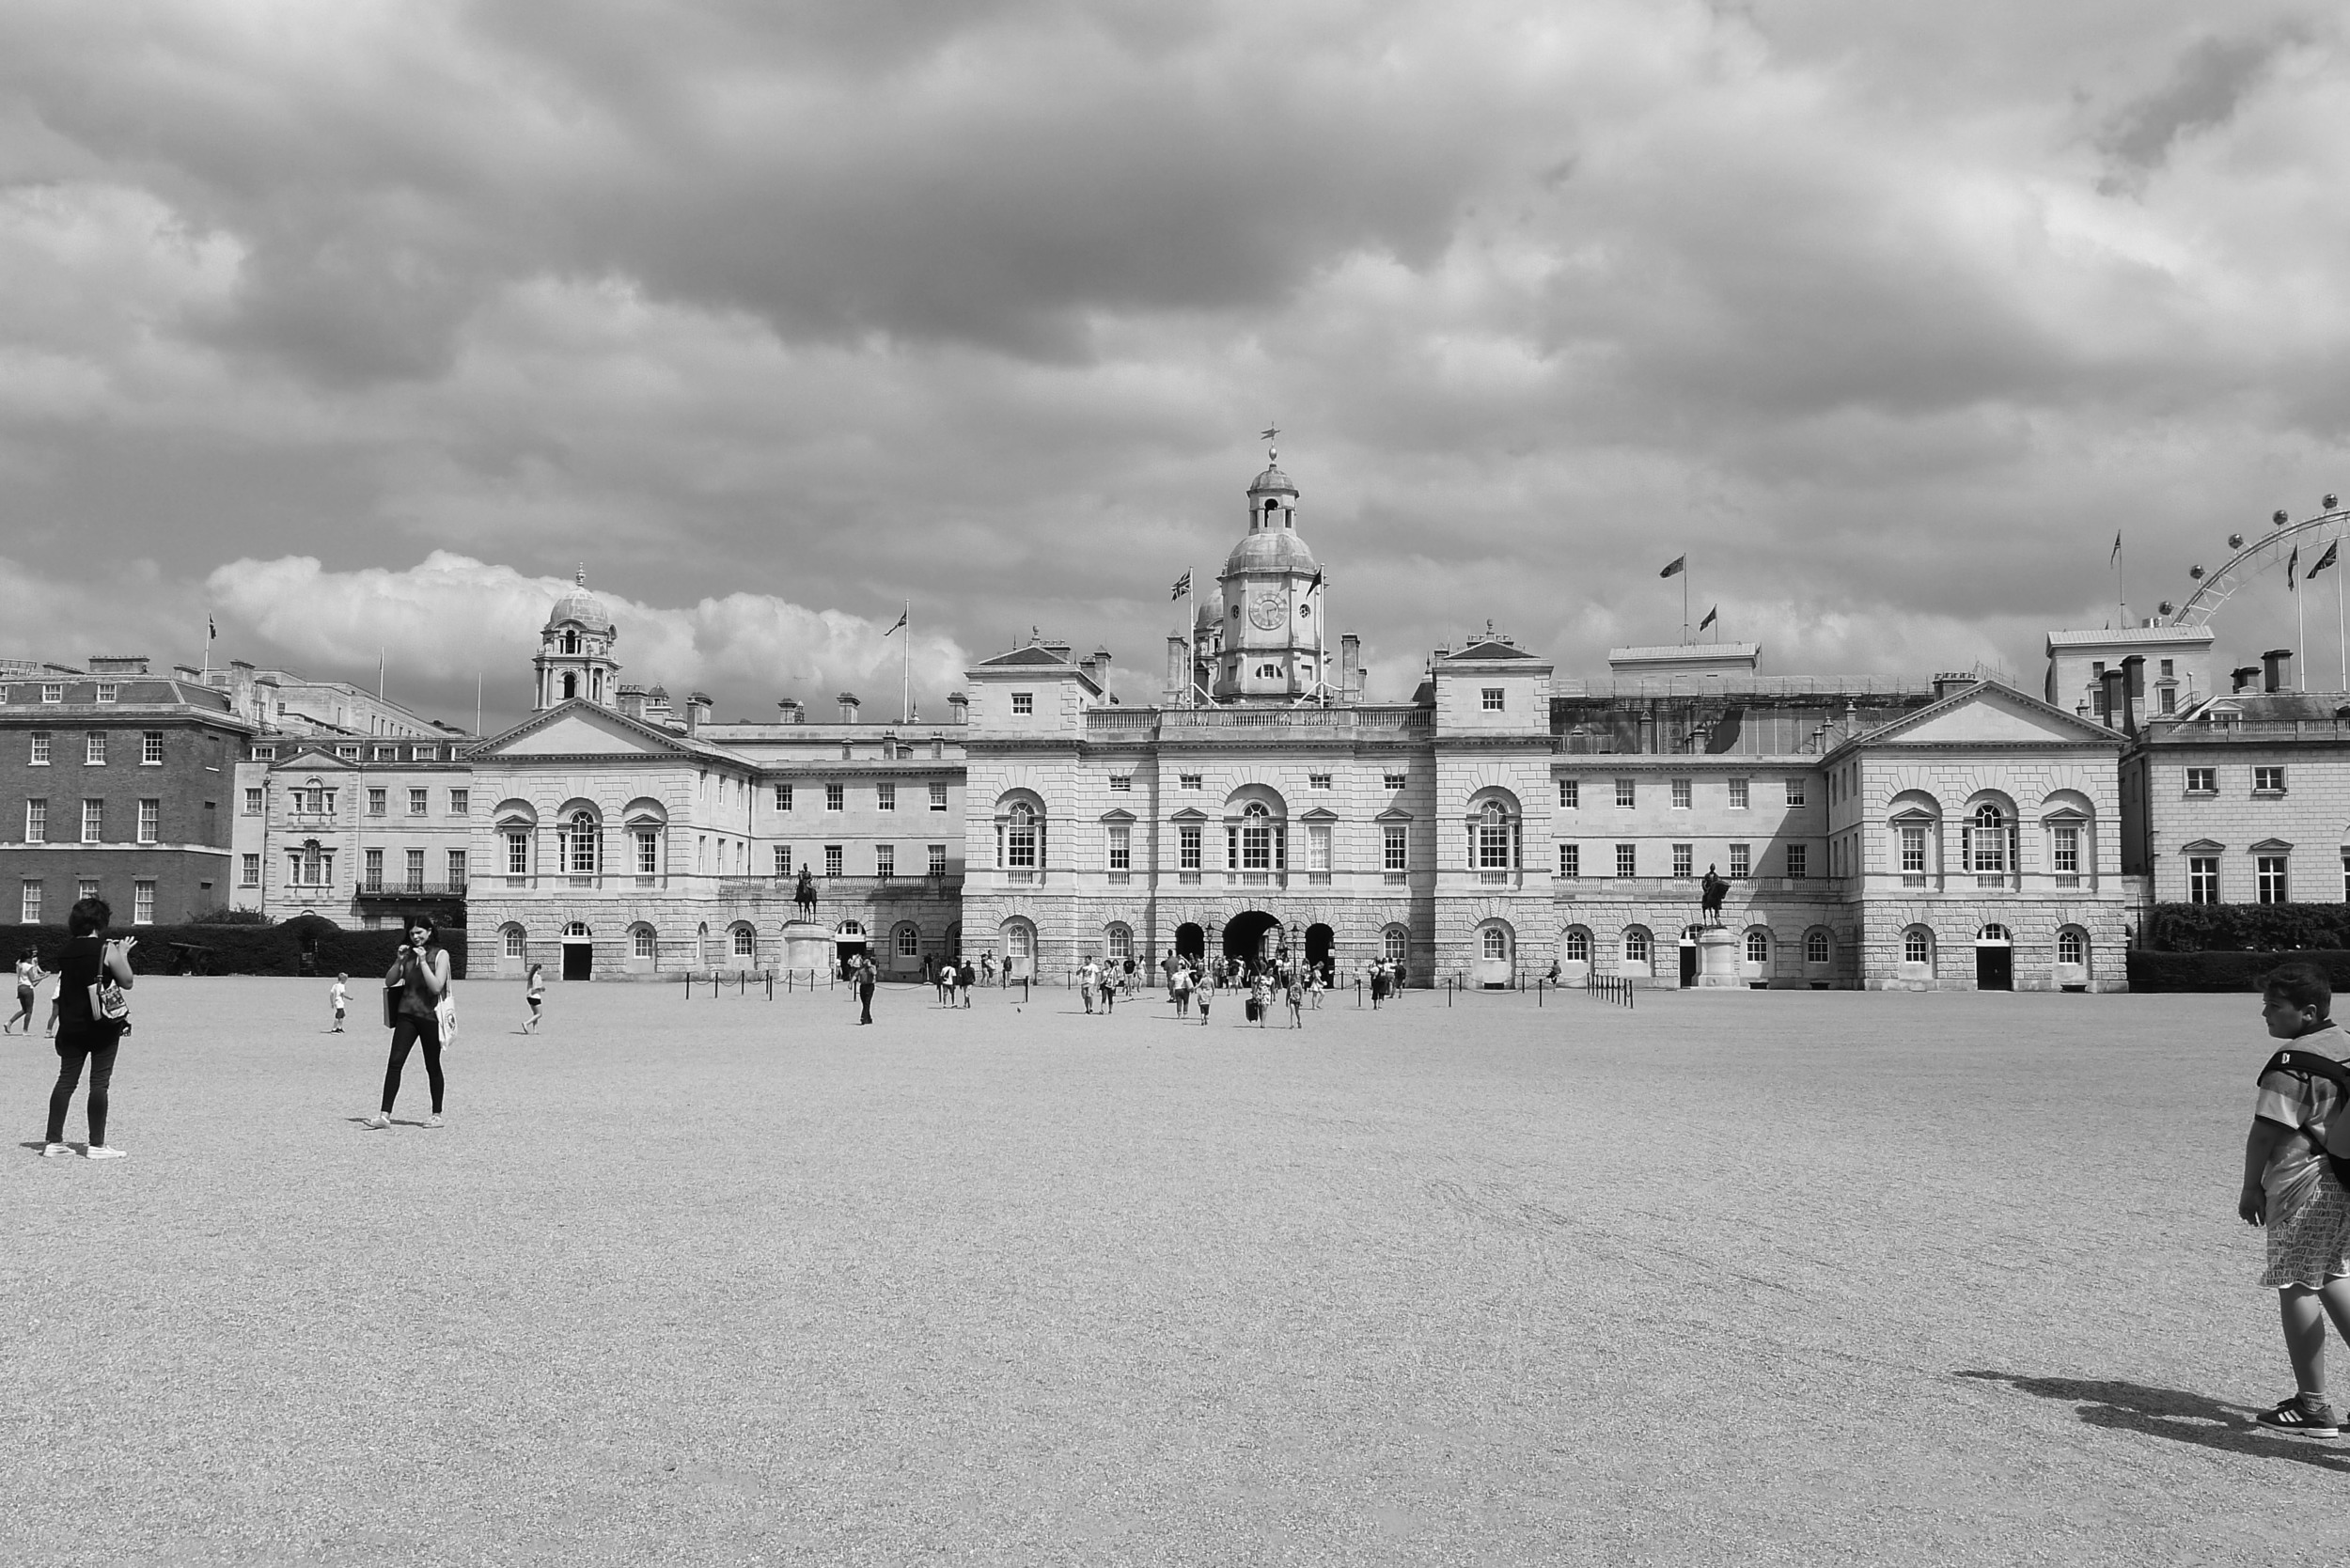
[1991, 714]
[580, 730]
[1488, 651]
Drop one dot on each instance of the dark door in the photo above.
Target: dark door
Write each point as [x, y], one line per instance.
[1995, 968]
[1688, 964]
[579, 961]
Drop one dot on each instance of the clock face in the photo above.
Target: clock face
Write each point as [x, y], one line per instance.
[1268, 612]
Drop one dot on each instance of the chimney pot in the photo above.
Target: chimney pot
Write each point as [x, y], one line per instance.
[2277, 671]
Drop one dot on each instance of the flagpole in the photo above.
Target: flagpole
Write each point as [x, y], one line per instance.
[2340, 639]
[2300, 638]
[1685, 603]
[905, 670]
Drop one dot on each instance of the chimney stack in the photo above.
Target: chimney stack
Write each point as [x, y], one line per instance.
[630, 698]
[791, 710]
[848, 707]
[1177, 655]
[960, 707]
[1951, 680]
[2110, 697]
[2277, 671]
[1351, 666]
[2242, 677]
[697, 707]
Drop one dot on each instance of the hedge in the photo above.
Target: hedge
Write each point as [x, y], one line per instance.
[2188, 928]
[240, 949]
[2228, 971]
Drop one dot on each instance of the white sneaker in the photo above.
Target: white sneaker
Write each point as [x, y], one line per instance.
[101, 1152]
[56, 1151]
[433, 1121]
[377, 1123]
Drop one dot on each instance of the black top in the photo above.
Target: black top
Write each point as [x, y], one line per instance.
[80, 961]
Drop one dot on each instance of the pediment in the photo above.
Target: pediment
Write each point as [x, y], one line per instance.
[311, 759]
[581, 729]
[1319, 814]
[1393, 814]
[1188, 814]
[1988, 714]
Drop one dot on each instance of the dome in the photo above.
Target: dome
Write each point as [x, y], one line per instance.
[1272, 479]
[582, 607]
[1270, 550]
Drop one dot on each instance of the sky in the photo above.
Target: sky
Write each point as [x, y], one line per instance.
[360, 328]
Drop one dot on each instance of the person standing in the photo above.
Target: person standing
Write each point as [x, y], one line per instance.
[83, 1035]
[1295, 995]
[338, 997]
[1178, 987]
[535, 993]
[421, 976]
[1085, 977]
[28, 976]
[865, 979]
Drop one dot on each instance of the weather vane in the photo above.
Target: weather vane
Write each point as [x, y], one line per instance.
[1272, 453]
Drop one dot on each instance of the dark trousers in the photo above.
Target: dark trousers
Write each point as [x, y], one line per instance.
[864, 995]
[73, 1050]
[406, 1033]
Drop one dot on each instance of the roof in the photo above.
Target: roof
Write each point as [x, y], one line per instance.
[1489, 648]
[1979, 691]
[1272, 479]
[2257, 707]
[2129, 633]
[1687, 650]
[1270, 550]
[1032, 655]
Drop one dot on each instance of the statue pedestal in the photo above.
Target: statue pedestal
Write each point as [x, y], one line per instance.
[808, 945]
[1717, 958]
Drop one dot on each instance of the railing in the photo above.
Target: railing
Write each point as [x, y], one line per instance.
[1141, 722]
[378, 889]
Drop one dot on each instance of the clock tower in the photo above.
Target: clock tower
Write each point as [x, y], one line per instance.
[1270, 647]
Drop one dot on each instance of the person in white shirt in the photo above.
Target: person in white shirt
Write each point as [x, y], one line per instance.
[338, 997]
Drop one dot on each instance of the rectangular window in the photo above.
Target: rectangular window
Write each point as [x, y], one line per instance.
[53, 692]
[248, 871]
[252, 802]
[836, 797]
[2202, 879]
[1684, 860]
[142, 903]
[938, 797]
[1737, 795]
[418, 803]
[2269, 781]
[456, 868]
[938, 860]
[28, 906]
[2067, 848]
[1741, 862]
[783, 797]
[1187, 847]
[1123, 781]
[1623, 793]
[884, 860]
[1798, 862]
[85, 888]
[1489, 699]
[36, 821]
[1571, 794]
[150, 819]
[1318, 837]
[151, 749]
[379, 801]
[783, 860]
[1188, 780]
[832, 859]
[265, 754]
[461, 803]
[1394, 780]
[2270, 879]
[2203, 781]
[1627, 860]
[1121, 847]
[1395, 847]
[885, 796]
[94, 749]
[93, 820]
[347, 753]
[372, 869]
[1794, 791]
[1317, 782]
[1913, 849]
[518, 852]
[1681, 794]
[1023, 702]
[413, 862]
[109, 692]
[41, 748]
[1570, 860]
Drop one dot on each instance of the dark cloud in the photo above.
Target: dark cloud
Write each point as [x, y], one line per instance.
[2211, 80]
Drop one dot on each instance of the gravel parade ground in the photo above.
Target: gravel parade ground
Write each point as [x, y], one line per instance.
[1728, 1278]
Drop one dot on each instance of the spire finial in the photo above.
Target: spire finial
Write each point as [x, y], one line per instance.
[580, 578]
[1272, 453]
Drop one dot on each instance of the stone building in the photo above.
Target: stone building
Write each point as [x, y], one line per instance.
[363, 831]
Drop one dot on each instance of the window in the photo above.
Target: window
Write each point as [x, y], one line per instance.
[93, 820]
[1986, 840]
[1187, 847]
[1575, 946]
[151, 749]
[347, 753]
[150, 819]
[85, 888]
[1741, 862]
[252, 802]
[1119, 940]
[1493, 837]
[1268, 672]
[1122, 782]
[1635, 944]
[747, 941]
[1570, 860]
[1626, 859]
[1684, 860]
[1737, 795]
[456, 868]
[516, 943]
[1393, 781]
[909, 941]
[372, 869]
[884, 860]
[142, 903]
[1497, 941]
[1395, 850]
[1023, 702]
[1188, 780]
[937, 854]
[53, 692]
[885, 796]
[1020, 837]
[1816, 948]
[1798, 862]
[832, 859]
[1913, 849]
[1394, 943]
[378, 802]
[584, 842]
[41, 748]
[641, 942]
[836, 797]
[1794, 791]
[1317, 782]
[1681, 794]
[783, 860]
[28, 905]
[1623, 793]
[36, 821]
[311, 866]
[517, 852]
[265, 754]
[1570, 794]
[938, 797]
[2071, 948]
[1256, 837]
[1758, 948]
[2169, 697]
[418, 804]
[2202, 879]
[461, 803]
[783, 797]
[2265, 781]
[94, 749]
[248, 871]
[1917, 946]
[109, 692]
[1489, 699]
[2269, 879]
[1120, 847]
[2066, 846]
[413, 865]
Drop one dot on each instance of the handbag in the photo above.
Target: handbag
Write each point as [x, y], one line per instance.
[444, 1015]
[107, 1003]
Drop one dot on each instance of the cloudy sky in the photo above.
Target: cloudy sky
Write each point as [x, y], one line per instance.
[361, 326]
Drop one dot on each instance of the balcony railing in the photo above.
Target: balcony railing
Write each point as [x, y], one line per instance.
[1139, 723]
[412, 890]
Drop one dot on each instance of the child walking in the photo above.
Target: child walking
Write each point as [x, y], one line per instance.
[338, 997]
[2289, 1189]
[535, 993]
[29, 976]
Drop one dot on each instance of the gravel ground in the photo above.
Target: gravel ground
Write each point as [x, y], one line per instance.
[1731, 1278]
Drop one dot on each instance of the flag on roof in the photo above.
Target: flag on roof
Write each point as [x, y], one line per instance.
[1678, 563]
[1711, 616]
[900, 621]
[2292, 561]
[1183, 586]
[2324, 561]
[2117, 548]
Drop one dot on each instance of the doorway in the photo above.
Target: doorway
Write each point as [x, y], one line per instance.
[1688, 964]
[1319, 940]
[579, 952]
[1252, 939]
[1994, 959]
[1190, 942]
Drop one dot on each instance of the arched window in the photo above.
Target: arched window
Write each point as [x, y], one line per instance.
[909, 940]
[2072, 946]
[1493, 837]
[570, 645]
[1917, 946]
[1394, 943]
[1256, 837]
[641, 942]
[517, 943]
[851, 928]
[1635, 944]
[1019, 941]
[746, 942]
[1020, 837]
[701, 943]
[1994, 932]
[570, 684]
[1119, 940]
[1497, 941]
[575, 928]
[582, 842]
[1575, 946]
[1987, 834]
[1817, 948]
[1757, 946]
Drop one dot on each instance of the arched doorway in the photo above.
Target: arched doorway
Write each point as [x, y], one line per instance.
[1319, 940]
[1190, 941]
[1252, 939]
[579, 951]
[1994, 957]
[848, 941]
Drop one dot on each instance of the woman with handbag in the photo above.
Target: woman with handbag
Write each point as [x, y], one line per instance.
[416, 999]
[93, 1018]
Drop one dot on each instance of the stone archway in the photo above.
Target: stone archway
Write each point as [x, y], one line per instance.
[1190, 941]
[1252, 937]
[1320, 941]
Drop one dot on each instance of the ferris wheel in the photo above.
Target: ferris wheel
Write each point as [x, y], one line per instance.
[2257, 558]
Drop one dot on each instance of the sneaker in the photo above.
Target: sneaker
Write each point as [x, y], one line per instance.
[377, 1123]
[2301, 1419]
[103, 1152]
[56, 1151]
[433, 1121]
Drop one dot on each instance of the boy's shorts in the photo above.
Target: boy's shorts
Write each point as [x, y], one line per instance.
[2309, 1235]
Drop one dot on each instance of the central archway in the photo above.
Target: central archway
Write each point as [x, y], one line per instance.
[1319, 940]
[1252, 937]
[1190, 941]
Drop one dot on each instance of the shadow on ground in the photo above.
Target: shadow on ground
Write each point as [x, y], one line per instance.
[2172, 1413]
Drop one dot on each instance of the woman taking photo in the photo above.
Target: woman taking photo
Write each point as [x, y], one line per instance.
[82, 1034]
[414, 988]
